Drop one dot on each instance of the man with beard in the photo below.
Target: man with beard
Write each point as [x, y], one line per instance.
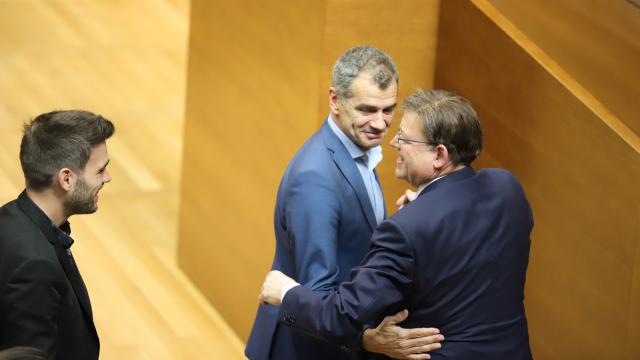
[44, 303]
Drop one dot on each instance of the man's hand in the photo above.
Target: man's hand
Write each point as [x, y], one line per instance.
[272, 287]
[399, 343]
[406, 198]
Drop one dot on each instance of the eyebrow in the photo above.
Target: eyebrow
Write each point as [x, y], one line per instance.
[104, 166]
[366, 107]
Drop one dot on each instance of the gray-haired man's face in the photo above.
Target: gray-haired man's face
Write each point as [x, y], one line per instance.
[366, 116]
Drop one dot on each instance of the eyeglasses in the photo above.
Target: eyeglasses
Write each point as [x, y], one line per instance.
[400, 139]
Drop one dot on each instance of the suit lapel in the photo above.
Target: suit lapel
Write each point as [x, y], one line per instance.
[73, 275]
[348, 167]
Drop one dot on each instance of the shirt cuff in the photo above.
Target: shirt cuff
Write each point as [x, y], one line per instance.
[284, 290]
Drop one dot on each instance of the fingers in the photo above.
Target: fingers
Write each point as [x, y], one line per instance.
[401, 201]
[418, 356]
[261, 297]
[417, 352]
[395, 318]
[422, 350]
[268, 286]
[419, 333]
[411, 195]
[420, 345]
[406, 198]
[276, 278]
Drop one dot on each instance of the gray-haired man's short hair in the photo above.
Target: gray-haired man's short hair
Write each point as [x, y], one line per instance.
[363, 58]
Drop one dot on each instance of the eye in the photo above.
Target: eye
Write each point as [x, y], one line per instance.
[367, 110]
[389, 110]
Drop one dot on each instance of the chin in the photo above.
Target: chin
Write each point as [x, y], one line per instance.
[369, 143]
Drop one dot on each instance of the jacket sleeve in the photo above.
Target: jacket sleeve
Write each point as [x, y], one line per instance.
[376, 289]
[311, 218]
[31, 305]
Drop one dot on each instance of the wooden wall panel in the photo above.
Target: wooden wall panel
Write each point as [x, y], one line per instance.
[251, 102]
[580, 176]
[258, 81]
[633, 345]
[597, 41]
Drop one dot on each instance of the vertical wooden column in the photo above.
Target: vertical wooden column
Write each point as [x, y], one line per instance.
[257, 89]
[251, 102]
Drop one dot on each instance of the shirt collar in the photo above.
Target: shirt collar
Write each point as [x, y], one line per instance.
[424, 186]
[64, 234]
[372, 156]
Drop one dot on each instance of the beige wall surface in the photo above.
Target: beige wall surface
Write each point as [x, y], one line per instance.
[257, 89]
[581, 177]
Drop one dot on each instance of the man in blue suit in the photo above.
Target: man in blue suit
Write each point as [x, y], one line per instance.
[329, 200]
[456, 256]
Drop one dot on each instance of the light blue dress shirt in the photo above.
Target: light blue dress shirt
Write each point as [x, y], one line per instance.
[366, 163]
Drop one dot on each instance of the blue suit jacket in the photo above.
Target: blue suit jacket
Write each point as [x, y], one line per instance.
[323, 225]
[456, 257]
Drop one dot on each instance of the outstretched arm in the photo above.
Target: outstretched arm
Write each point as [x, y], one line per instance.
[387, 338]
[377, 287]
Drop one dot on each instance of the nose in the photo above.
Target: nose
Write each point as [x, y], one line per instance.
[106, 177]
[394, 142]
[379, 122]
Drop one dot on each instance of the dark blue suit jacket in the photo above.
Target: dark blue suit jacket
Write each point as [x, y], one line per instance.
[456, 257]
[323, 224]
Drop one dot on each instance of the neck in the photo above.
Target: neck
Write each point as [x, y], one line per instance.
[450, 168]
[50, 203]
[446, 170]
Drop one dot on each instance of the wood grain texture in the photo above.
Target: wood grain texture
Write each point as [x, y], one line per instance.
[251, 102]
[580, 175]
[127, 61]
[597, 42]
